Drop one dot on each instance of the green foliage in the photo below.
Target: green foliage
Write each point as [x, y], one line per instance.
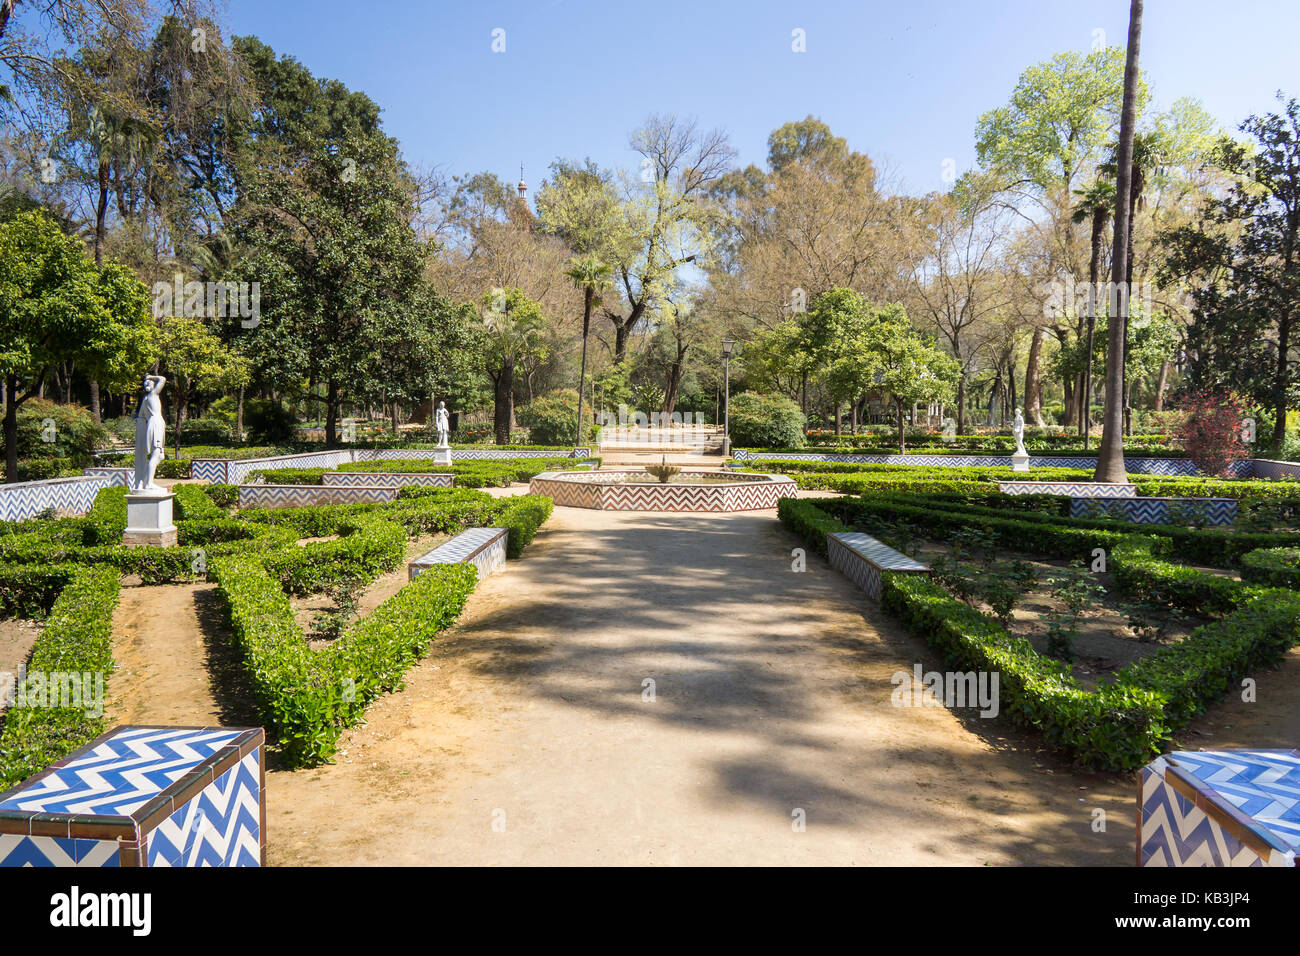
[48, 430]
[552, 418]
[766, 421]
[1276, 567]
[522, 515]
[77, 639]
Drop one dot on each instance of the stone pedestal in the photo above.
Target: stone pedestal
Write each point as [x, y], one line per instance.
[1019, 462]
[442, 455]
[149, 519]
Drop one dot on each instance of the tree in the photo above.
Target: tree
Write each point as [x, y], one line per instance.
[512, 330]
[196, 360]
[1243, 259]
[590, 276]
[1110, 457]
[56, 306]
[1094, 206]
[902, 363]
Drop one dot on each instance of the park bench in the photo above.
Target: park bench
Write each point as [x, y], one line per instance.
[485, 548]
[861, 558]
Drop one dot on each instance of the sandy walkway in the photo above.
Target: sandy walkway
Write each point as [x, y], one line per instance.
[526, 737]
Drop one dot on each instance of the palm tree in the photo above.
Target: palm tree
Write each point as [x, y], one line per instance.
[1095, 204]
[1110, 458]
[590, 275]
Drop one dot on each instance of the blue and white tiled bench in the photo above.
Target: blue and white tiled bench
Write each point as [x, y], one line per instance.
[143, 796]
[485, 548]
[861, 558]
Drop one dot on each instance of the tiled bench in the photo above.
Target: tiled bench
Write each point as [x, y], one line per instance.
[1220, 808]
[1073, 489]
[861, 558]
[143, 796]
[1213, 511]
[485, 548]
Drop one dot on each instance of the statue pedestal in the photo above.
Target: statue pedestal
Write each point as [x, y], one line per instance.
[149, 519]
[1019, 462]
[442, 455]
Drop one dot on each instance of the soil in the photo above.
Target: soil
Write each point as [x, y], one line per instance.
[17, 637]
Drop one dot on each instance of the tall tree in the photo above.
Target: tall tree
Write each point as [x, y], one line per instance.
[1094, 206]
[1110, 457]
[590, 276]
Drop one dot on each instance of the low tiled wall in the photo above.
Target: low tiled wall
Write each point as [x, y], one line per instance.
[1165, 467]
[1074, 489]
[395, 478]
[593, 490]
[1214, 511]
[232, 472]
[67, 496]
[298, 496]
[1267, 468]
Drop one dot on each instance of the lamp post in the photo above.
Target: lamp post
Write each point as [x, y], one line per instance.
[727, 346]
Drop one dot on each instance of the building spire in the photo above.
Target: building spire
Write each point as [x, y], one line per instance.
[523, 187]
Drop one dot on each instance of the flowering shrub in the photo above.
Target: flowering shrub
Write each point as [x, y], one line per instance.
[1212, 431]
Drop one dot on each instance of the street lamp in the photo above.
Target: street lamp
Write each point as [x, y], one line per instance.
[727, 346]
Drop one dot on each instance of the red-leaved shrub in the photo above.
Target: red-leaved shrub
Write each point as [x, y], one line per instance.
[1212, 431]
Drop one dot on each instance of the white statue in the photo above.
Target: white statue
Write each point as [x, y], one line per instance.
[443, 424]
[1018, 429]
[150, 434]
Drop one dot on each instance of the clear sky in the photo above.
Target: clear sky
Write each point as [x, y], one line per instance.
[904, 81]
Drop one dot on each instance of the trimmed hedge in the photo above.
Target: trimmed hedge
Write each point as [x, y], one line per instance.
[522, 515]
[1124, 722]
[1278, 567]
[309, 696]
[77, 640]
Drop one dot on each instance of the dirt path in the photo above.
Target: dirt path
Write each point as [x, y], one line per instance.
[527, 736]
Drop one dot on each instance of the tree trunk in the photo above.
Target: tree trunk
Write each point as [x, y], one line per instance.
[587, 301]
[1094, 274]
[11, 428]
[239, 416]
[961, 403]
[332, 415]
[902, 438]
[1280, 380]
[94, 401]
[503, 413]
[1033, 386]
[1110, 458]
[393, 411]
[1162, 383]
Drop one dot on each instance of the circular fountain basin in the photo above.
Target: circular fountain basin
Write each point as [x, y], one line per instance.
[687, 491]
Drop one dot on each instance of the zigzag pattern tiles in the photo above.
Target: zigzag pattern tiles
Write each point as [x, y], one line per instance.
[1073, 489]
[337, 478]
[122, 773]
[67, 496]
[219, 827]
[298, 496]
[1215, 511]
[18, 850]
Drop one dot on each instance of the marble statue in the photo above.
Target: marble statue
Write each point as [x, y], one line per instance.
[443, 424]
[150, 432]
[1018, 429]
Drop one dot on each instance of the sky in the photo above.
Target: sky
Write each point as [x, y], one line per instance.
[904, 81]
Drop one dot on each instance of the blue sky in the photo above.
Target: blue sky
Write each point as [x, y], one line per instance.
[902, 81]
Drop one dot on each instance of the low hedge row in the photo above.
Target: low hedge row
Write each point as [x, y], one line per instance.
[367, 547]
[1276, 567]
[309, 696]
[77, 640]
[522, 515]
[1125, 722]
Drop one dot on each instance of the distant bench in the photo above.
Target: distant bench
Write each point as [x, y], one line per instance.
[485, 548]
[861, 558]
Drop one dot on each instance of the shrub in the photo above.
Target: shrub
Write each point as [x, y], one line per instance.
[289, 476]
[1211, 433]
[766, 421]
[552, 418]
[206, 431]
[47, 429]
[268, 422]
[1278, 567]
[77, 640]
[522, 515]
[43, 469]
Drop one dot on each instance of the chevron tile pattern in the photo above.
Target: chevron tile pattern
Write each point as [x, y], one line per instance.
[120, 774]
[298, 496]
[1166, 467]
[219, 827]
[1220, 808]
[21, 850]
[594, 490]
[393, 479]
[142, 796]
[115, 476]
[67, 496]
[1264, 468]
[485, 548]
[861, 559]
[209, 469]
[1214, 511]
[1073, 489]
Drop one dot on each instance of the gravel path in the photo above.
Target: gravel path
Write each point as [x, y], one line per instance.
[528, 736]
